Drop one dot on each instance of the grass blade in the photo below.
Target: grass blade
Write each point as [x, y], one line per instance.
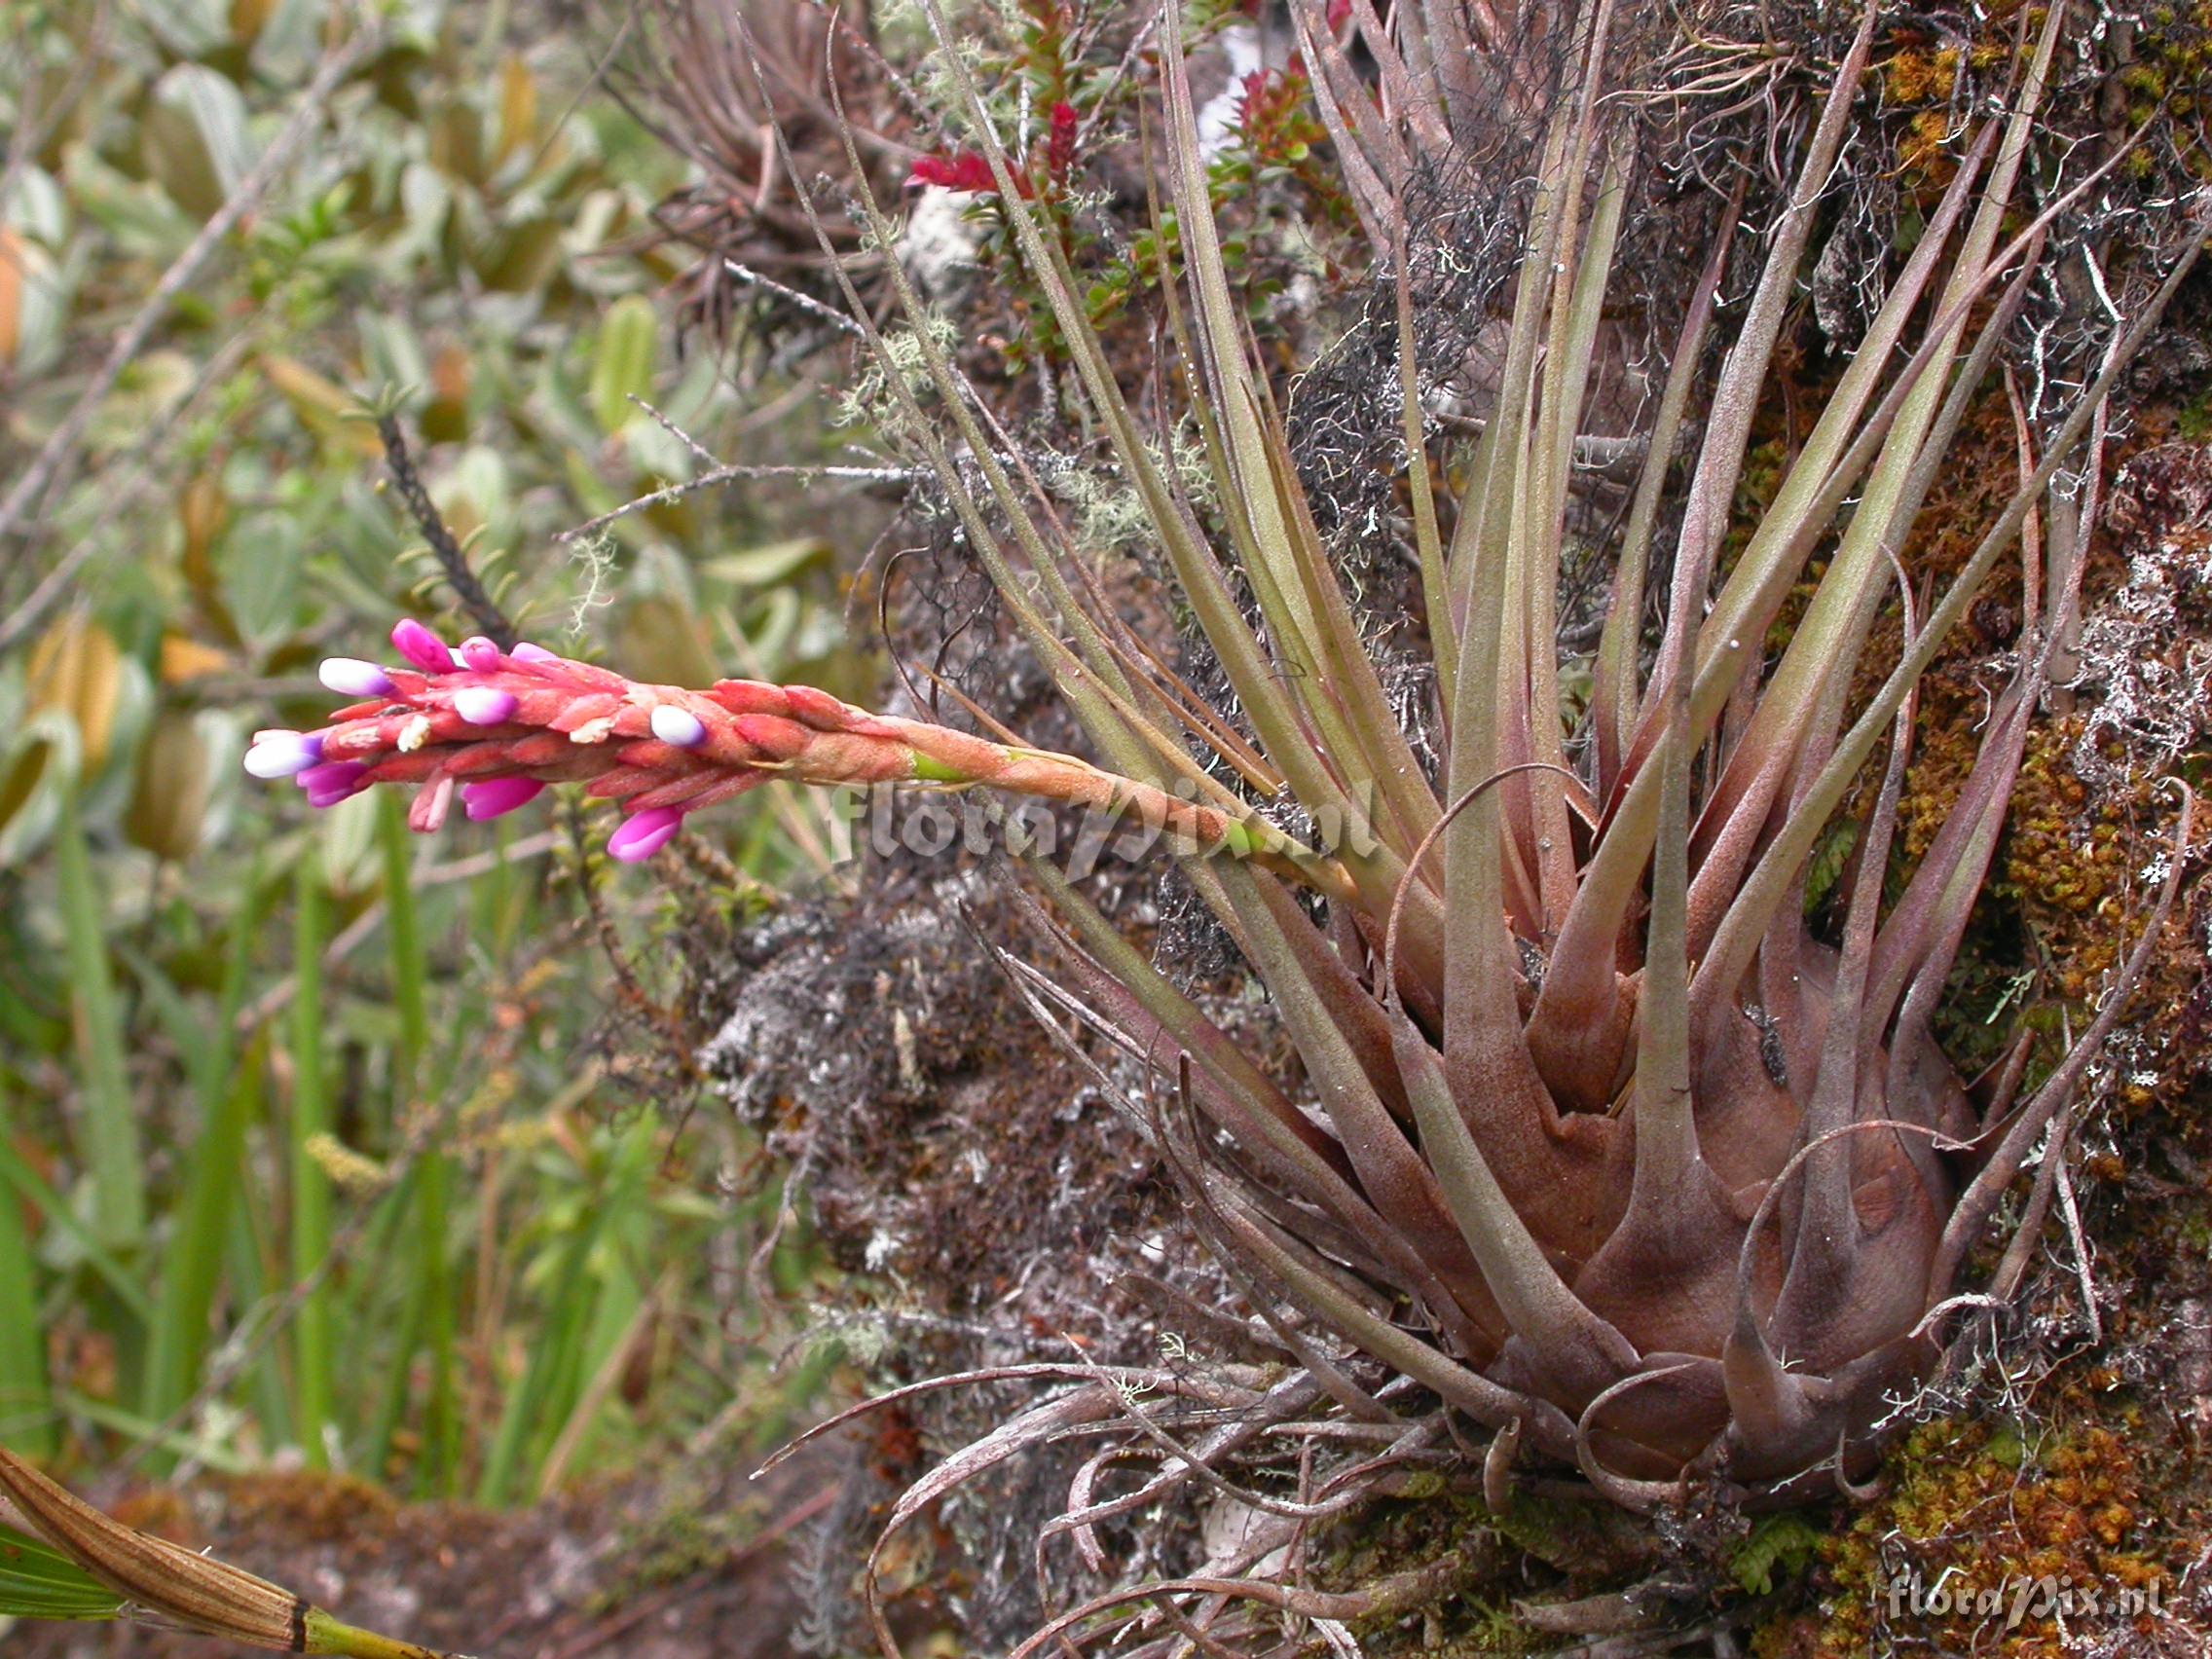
[26, 1403]
[31, 1187]
[39, 1582]
[230, 1098]
[429, 1291]
[311, 1186]
[109, 1128]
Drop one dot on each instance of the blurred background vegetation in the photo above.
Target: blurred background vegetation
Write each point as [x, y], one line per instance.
[316, 1145]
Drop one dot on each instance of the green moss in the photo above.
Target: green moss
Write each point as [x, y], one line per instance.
[1778, 1545]
[1993, 1503]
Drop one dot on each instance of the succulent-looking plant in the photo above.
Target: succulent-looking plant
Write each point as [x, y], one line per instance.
[1593, 1138]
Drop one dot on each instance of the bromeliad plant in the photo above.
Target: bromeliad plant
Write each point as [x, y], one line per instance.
[1593, 1138]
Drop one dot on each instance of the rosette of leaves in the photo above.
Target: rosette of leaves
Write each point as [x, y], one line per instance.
[717, 83]
[1592, 1137]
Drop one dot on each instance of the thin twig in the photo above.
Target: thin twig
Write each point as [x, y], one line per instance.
[33, 128]
[55, 583]
[699, 451]
[59, 449]
[481, 606]
[728, 474]
[805, 302]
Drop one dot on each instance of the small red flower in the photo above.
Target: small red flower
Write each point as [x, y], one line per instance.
[963, 169]
[1060, 147]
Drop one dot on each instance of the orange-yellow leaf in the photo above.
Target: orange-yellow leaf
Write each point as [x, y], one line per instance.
[11, 293]
[518, 107]
[76, 668]
[184, 660]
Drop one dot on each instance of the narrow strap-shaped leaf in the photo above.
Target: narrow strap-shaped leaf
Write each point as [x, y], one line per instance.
[1370, 153]
[1573, 1344]
[1436, 602]
[1615, 698]
[1632, 816]
[1735, 398]
[1827, 1229]
[1576, 308]
[1387, 768]
[1402, 1187]
[1252, 677]
[1828, 638]
[1480, 1009]
[39, 1582]
[1473, 1393]
[1733, 943]
[1334, 677]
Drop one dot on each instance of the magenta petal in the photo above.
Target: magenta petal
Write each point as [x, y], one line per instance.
[528, 653]
[480, 653]
[333, 794]
[421, 647]
[483, 705]
[331, 774]
[644, 834]
[495, 797]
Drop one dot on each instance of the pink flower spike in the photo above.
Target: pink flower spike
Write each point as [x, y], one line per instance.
[349, 676]
[481, 654]
[528, 653]
[495, 797]
[283, 753]
[642, 837]
[483, 705]
[421, 647]
[678, 726]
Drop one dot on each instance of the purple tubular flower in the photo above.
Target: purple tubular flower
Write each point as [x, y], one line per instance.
[528, 653]
[479, 653]
[679, 726]
[332, 782]
[328, 773]
[421, 647]
[349, 676]
[644, 833]
[494, 797]
[483, 705]
[283, 753]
